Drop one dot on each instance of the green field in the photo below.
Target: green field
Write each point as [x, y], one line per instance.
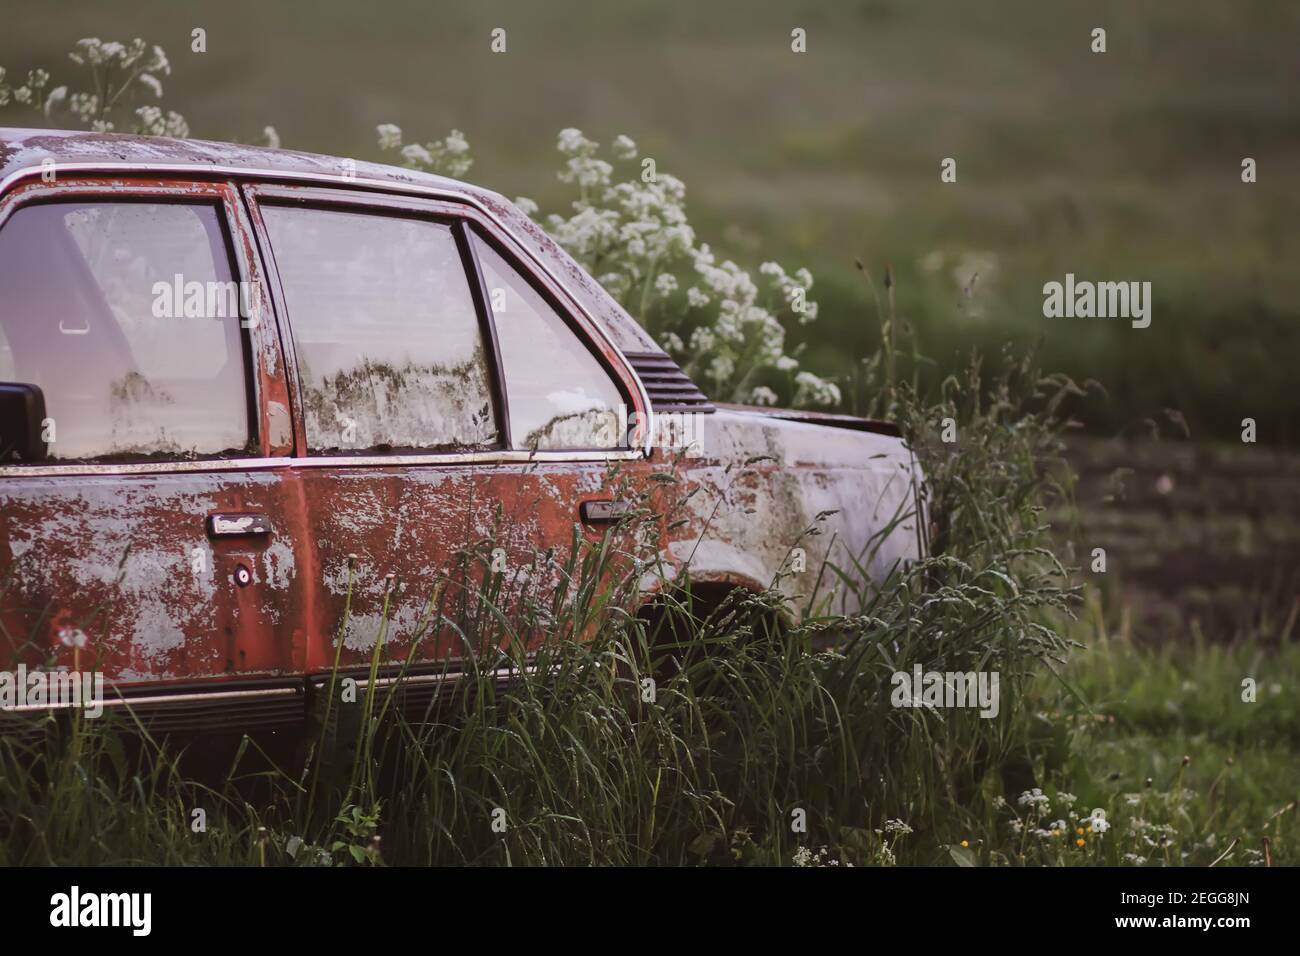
[1118, 166]
[1124, 689]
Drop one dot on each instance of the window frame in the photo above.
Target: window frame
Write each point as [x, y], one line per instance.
[466, 223]
[274, 373]
[221, 196]
[335, 200]
[567, 317]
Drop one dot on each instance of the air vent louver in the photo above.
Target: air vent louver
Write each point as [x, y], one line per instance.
[667, 385]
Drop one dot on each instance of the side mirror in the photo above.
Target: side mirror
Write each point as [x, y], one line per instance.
[22, 411]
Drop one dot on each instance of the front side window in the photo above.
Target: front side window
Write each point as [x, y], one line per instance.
[126, 315]
[390, 351]
[560, 396]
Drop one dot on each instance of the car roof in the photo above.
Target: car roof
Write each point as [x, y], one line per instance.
[24, 148]
[27, 149]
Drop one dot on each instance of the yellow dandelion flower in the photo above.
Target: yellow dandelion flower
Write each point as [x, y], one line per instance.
[1079, 831]
[965, 843]
[1079, 842]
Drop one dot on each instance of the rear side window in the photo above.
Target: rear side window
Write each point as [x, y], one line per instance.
[560, 396]
[127, 317]
[390, 350]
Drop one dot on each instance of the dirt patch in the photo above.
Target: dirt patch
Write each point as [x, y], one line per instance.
[1204, 535]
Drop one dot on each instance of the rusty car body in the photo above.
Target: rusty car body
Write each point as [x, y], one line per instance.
[208, 491]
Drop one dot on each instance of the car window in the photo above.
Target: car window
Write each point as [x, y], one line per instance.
[95, 311]
[390, 350]
[560, 396]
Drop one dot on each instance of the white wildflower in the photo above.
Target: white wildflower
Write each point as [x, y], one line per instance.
[72, 637]
[672, 343]
[813, 390]
[623, 147]
[55, 100]
[416, 155]
[456, 144]
[1035, 800]
[571, 141]
[703, 339]
[160, 63]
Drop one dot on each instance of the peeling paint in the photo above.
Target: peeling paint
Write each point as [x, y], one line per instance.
[127, 559]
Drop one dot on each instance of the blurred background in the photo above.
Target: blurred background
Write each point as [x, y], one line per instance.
[1119, 166]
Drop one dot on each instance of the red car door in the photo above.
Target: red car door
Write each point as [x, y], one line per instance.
[425, 471]
[156, 541]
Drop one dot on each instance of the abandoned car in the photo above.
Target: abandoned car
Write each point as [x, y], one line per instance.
[241, 388]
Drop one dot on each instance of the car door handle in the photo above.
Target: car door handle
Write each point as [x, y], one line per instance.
[237, 525]
[604, 512]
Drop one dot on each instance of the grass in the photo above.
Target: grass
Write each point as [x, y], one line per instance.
[768, 744]
[1157, 735]
[579, 769]
[729, 735]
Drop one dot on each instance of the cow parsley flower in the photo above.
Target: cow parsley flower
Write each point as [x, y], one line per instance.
[623, 147]
[55, 99]
[811, 389]
[72, 637]
[634, 234]
[572, 142]
[1035, 800]
[666, 284]
[703, 339]
[160, 63]
[416, 155]
[455, 144]
[152, 121]
[695, 298]
[672, 343]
